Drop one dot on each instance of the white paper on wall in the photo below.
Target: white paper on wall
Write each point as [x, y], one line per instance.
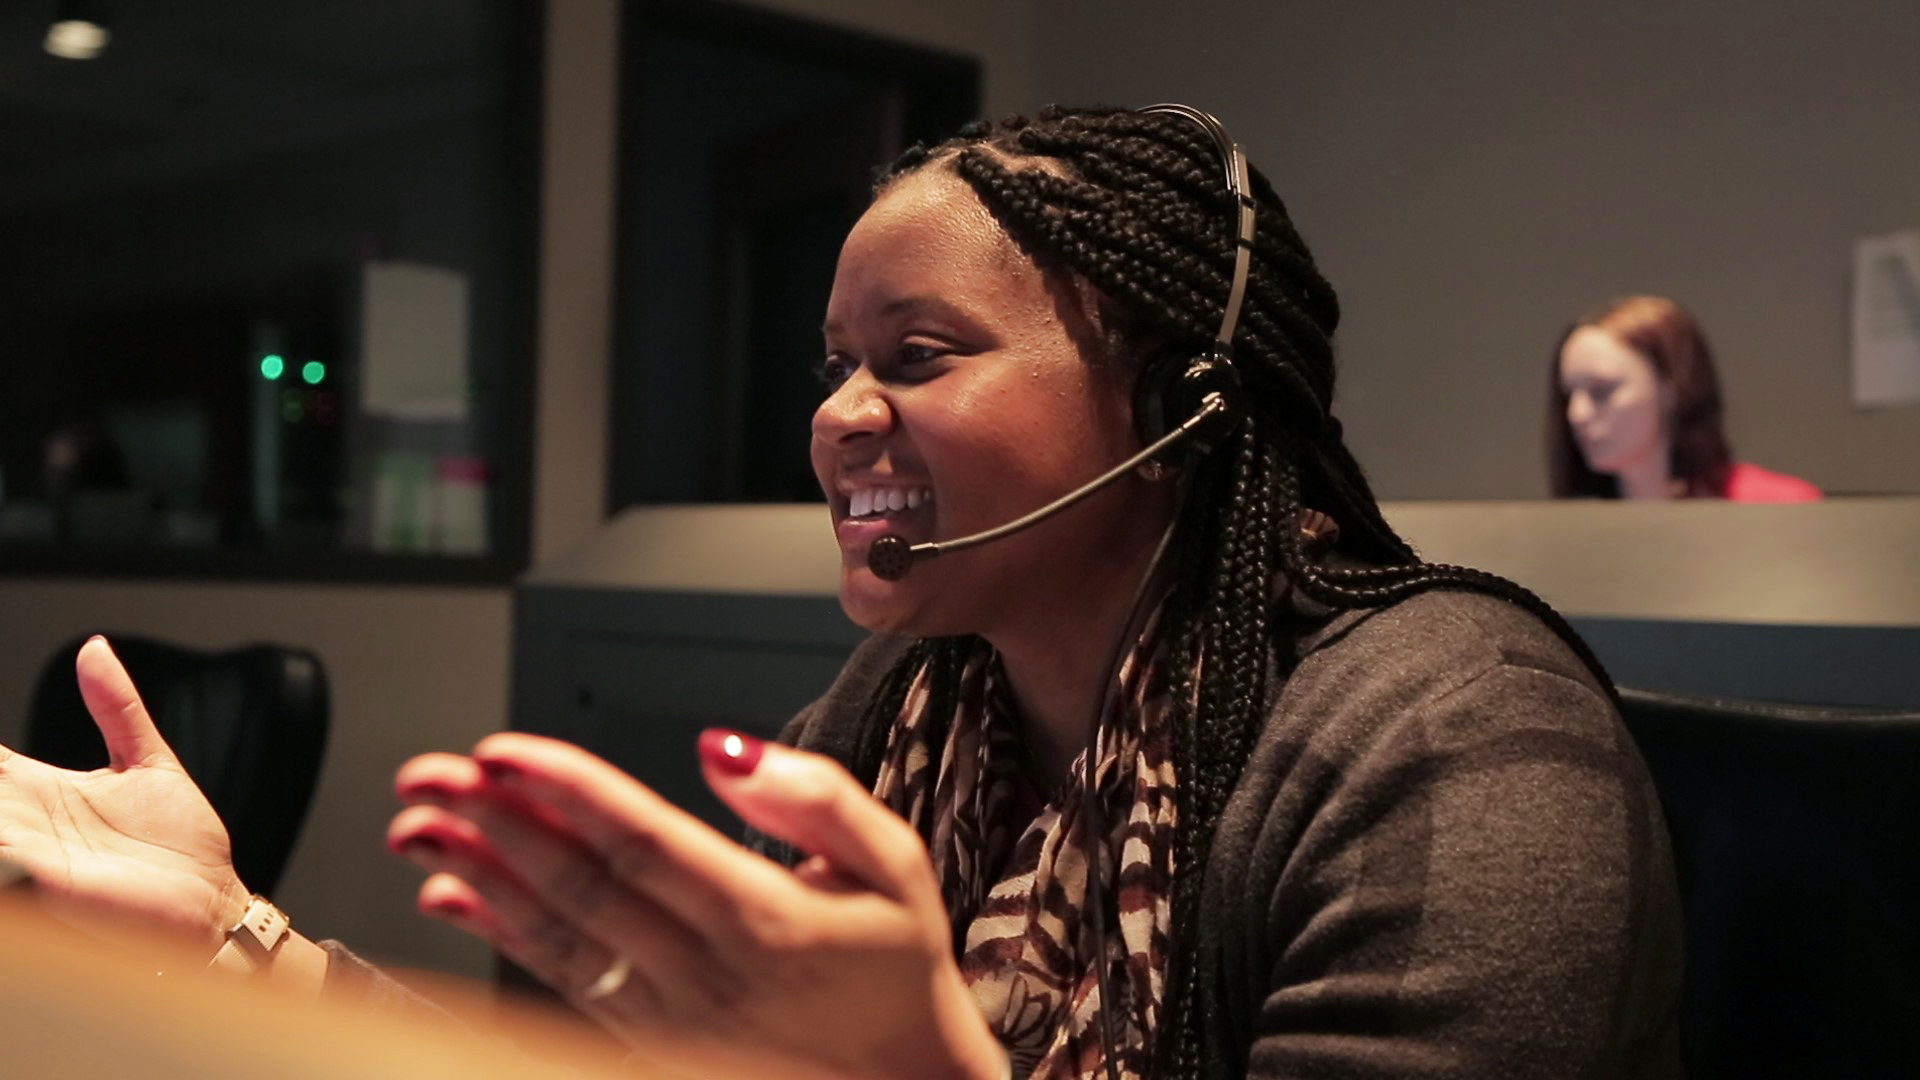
[413, 341]
[1886, 320]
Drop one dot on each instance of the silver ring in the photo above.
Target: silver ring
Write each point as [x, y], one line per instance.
[610, 980]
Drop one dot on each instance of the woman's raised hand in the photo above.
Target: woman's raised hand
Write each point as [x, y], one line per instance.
[133, 846]
[703, 956]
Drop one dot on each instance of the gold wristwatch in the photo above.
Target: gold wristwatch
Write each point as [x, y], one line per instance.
[252, 942]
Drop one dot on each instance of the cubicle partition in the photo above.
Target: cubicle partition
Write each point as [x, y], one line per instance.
[1811, 603]
[673, 619]
[676, 619]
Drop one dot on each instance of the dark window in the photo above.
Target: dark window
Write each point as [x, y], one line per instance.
[270, 290]
[748, 147]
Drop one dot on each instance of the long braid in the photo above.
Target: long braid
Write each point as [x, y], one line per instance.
[1134, 205]
[1220, 605]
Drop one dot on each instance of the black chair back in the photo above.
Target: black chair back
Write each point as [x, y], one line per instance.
[1797, 833]
[249, 725]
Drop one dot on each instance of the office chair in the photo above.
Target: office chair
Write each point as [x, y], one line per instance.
[249, 725]
[1797, 835]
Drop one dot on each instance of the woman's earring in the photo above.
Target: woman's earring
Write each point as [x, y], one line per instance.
[1153, 470]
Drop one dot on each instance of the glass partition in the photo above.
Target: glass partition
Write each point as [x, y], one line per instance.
[271, 287]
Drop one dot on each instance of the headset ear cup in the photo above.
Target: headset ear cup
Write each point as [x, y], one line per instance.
[1173, 386]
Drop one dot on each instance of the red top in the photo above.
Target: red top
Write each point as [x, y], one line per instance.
[1751, 483]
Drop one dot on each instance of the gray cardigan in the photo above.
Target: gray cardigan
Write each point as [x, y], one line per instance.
[1444, 859]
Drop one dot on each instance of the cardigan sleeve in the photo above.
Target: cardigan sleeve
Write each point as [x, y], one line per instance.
[1463, 875]
[352, 981]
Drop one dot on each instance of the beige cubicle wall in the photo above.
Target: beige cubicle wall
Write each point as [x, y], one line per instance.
[1842, 562]
[1812, 602]
[1815, 602]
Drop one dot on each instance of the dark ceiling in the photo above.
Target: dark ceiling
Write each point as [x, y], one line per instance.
[188, 86]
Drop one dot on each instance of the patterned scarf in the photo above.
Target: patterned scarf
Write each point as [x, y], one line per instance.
[1012, 863]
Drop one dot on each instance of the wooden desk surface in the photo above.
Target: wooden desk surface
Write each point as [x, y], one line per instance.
[73, 1008]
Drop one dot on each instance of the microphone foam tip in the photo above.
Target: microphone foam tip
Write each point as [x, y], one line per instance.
[889, 558]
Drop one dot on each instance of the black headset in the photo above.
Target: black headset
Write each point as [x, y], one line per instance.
[1177, 390]
[1174, 384]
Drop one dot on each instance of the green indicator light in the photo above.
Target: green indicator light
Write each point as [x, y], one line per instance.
[292, 411]
[313, 371]
[272, 366]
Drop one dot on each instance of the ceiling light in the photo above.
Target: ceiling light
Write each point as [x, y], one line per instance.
[79, 31]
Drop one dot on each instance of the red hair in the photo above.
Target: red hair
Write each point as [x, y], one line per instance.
[1670, 339]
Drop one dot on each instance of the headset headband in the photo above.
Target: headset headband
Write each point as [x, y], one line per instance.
[1235, 164]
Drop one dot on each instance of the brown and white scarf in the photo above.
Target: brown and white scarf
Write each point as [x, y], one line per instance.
[1012, 863]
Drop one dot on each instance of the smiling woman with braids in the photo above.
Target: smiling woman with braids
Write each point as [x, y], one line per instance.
[1206, 776]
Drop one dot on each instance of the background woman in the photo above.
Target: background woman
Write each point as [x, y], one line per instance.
[1283, 802]
[1634, 412]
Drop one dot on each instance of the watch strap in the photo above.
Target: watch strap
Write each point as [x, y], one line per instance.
[252, 942]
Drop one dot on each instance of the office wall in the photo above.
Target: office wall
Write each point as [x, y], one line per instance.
[1471, 175]
[999, 32]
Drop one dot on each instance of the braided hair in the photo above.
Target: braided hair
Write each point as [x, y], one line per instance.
[1135, 205]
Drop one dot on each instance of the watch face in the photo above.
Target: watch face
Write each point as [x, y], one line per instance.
[261, 929]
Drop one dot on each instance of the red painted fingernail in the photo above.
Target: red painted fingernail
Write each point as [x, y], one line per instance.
[448, 909]
[426, 844]
[730, 751]
[500, 772]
